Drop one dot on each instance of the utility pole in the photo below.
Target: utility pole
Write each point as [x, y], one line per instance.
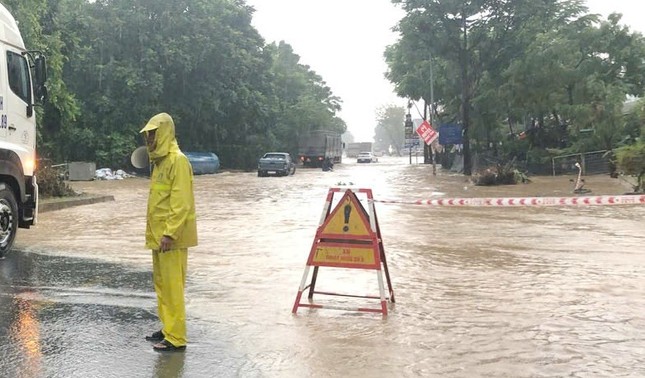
[426, 148]
[409, 129]
[432, 152]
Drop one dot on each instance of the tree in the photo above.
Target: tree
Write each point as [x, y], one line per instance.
[389, 130]
[199, 60]
[578, 77]
[543, 67]
[42, 26]
[304, 102]
[470, 39]
[631, 160]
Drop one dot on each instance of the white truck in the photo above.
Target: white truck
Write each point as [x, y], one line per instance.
[19, 89]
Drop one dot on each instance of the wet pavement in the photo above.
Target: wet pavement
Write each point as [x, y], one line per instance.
[500, 292]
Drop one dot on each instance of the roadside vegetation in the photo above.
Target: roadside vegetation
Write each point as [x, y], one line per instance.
[51, 182]
[113, 64]
[526, 80]
[632, 160]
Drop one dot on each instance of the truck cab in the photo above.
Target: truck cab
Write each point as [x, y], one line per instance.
[18, 91]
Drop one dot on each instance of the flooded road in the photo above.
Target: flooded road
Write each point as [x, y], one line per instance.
[501, 292]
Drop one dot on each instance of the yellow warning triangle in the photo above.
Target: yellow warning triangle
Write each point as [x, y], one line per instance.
[348, 220]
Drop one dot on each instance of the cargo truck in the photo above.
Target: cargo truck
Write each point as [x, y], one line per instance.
[18, 91]
[316, 146]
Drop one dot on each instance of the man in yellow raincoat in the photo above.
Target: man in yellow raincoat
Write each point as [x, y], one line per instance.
[170, 229]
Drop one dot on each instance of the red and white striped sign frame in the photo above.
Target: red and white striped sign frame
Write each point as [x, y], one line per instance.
[527, 201]
[348, 244]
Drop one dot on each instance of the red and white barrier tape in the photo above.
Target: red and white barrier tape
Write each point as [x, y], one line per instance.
[529, 201]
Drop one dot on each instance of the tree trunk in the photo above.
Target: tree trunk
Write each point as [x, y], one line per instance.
[510, 125]
[465, 99]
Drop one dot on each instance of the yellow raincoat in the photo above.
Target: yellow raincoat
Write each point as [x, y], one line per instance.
[171, 212]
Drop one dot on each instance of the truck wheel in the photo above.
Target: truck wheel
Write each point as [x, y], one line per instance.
[8, 219]
[293, 172]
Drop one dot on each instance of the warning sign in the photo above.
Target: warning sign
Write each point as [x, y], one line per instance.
[348, 220]
[348, 237]
[427, 133]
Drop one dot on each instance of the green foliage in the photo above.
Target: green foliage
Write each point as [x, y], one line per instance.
[302, 99]
[544, 68]
[389, 129]
[114, 148]
[514, 148]
[631, 160]
[539, 156]
[41, 30]
[635, 120]
[114, 64]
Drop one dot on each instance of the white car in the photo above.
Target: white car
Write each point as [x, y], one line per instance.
[366, 157]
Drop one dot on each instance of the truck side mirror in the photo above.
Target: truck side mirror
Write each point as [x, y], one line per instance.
[40, 76]
[40, 64]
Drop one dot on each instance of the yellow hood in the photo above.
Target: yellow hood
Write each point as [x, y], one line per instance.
[165, 136]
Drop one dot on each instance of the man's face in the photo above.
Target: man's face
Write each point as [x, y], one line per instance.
[151, 140]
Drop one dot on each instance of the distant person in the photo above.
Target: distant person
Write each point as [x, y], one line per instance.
[170, 229]
[327, 165]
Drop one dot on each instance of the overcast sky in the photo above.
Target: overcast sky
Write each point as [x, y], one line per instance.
[344, 40]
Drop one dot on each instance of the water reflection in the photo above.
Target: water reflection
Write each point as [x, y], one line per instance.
[170, 365]
[26, 332]
[20, 326]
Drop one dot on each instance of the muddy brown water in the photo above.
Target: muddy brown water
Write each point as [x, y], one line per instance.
[518, 292]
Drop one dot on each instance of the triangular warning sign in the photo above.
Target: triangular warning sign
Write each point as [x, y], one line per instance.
[349, 237]
[348, 220]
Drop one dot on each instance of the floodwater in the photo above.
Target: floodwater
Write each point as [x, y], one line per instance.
[480, 292]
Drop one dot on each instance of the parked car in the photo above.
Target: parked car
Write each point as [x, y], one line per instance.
[366, 157]
[278, 163]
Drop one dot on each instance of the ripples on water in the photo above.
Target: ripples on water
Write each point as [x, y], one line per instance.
[480, 291]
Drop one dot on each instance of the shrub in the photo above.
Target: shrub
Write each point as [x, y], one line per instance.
[51, 182]
[631, 160]
[500, 174]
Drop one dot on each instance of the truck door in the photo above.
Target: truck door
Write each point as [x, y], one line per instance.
[3, 95]
[16, 113]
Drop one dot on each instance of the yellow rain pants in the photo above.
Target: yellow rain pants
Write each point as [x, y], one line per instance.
[169, 278]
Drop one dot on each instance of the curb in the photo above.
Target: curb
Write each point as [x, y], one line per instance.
[52, 204]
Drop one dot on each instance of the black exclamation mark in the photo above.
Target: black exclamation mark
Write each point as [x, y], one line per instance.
[348, 210]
